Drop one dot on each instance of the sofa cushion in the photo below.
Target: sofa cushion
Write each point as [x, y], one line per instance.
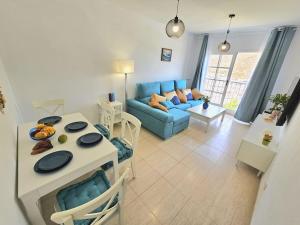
[147, 89]
[181, 96]
[180, 84]
[124, 152]
[179, 116]
[155, 102]
[83, 192]
[197, 94]
[168, 104]
[183, 106]
[145, 100]
[188, 94]
[158, 98]
[172, 96]
[167, 86]
[195, 102]
[146, 109]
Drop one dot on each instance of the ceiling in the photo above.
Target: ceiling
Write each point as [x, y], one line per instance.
[212, 15]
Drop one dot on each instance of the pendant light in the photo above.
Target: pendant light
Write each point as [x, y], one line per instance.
[225, 46]
[175, 27]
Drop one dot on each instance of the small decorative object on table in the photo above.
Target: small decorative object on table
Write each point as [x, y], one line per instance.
[41, 132]
[41, 146]
[2, 102]
[267, 138]
[206, 101]
[62, 138]
[111, 97]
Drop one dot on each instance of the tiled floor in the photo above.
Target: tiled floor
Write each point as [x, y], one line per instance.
[191, 179]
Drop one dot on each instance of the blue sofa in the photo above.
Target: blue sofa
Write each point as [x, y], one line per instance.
[163, 124]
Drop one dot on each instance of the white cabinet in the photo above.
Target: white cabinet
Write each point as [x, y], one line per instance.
[252, 151]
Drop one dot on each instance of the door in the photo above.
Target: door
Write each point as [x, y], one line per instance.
[227, 78]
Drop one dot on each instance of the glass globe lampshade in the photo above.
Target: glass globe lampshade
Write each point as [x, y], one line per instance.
[175, 28]
[224, 46]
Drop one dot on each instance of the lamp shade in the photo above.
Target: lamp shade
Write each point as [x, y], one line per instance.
[175, 28]
[124, 66]
[224, 46]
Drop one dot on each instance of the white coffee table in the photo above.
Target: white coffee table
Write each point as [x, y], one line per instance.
[207, 115]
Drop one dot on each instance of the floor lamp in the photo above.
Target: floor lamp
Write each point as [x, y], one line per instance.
[125, 67]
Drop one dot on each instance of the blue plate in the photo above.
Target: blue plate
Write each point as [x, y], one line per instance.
[76, 126]
[89, 139]
[50, 120]
[33, 131]
[53, 161]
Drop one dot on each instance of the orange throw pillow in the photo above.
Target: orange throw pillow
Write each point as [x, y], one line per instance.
[197, 94]
[181, 96]
[154, 102]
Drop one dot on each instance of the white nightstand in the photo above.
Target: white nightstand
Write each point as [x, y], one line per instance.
[117, 107]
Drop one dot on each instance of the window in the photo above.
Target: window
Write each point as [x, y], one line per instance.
[227, 77]
[217, 75]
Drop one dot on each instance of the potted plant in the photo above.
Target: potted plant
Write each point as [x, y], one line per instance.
[279, 102]
[206, 101]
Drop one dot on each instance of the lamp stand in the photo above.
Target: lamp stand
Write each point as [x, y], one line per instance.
[125, 104]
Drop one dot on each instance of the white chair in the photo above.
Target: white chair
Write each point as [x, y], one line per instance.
[126, 143]
[106, 125]
[54, 107]
[97, 210]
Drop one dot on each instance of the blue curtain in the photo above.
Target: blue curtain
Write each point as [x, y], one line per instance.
[265, 74]
[200, 64]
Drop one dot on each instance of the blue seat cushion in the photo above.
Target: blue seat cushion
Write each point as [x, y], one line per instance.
[145, 100]
[195, 102]
[103, 130]
[179, 116]
[168, 104]
[183, 106]
[124, 152]
[180, 84]
[83, 192]
[147, 89]
[167, 86]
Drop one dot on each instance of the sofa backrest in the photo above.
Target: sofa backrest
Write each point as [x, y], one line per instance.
[180, 84]
[167, 86]
[147, 89]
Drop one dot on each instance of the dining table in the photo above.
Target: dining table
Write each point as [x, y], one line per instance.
[32, 186]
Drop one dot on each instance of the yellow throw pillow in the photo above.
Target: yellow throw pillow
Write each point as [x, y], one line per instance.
[159, 98]
[197, 94]
[154, 102]
[157, 105]
[181, 96]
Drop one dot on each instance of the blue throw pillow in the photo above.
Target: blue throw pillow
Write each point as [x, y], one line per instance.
[189, 96]
[168, 104]
[175, 100]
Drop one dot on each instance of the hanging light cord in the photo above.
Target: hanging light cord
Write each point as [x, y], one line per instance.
[177, 7]
[228, 30]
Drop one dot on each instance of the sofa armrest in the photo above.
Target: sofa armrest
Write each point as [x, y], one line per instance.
[156, 113]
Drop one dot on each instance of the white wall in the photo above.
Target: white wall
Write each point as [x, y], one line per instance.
[279, 203]
[290, 68]
[251, 41]
[193, 49]
[9, 210]
[65, 49]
